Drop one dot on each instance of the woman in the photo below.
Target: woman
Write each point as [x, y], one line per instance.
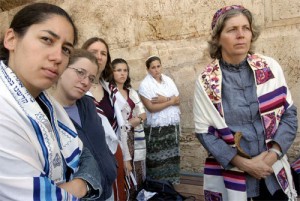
[104, 95]
[70, 89]
[244, 115]
[160, 96]
[134, 115]
[39, 148]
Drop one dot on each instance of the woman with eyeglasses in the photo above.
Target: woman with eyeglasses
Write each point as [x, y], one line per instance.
[70, 92]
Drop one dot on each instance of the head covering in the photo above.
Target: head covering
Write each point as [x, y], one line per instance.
[223, 10]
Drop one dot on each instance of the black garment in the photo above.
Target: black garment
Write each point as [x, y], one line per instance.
[264, 193]
[93, 137]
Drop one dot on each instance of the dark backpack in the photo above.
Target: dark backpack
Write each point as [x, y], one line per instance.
[164, 189]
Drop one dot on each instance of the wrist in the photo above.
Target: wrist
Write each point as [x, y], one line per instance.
[168, 99]
[88, 189]
[141, 120]
[277, 152]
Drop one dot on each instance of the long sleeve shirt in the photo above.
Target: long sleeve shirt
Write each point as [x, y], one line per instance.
[241, 113]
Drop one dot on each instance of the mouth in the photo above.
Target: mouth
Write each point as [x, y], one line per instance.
[240, 44]
[81, 90]
[51, 73]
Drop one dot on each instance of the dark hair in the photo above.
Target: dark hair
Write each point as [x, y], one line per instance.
[34, 14]
[107, 72]
[214, 47]
[127, 83]
[81, 53]
[151, 59]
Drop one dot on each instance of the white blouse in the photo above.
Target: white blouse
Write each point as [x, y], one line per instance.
[150, 88]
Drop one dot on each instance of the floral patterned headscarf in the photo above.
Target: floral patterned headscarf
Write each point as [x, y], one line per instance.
[223, 10]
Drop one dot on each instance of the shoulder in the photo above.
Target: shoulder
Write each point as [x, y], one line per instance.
[269, 60]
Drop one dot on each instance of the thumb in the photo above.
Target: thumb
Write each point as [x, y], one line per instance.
[263, 154]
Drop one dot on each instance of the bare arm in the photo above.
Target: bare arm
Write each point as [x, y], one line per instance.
[76, 187]
[155, 106]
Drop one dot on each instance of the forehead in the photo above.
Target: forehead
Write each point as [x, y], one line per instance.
[85, 64]
[121, 65]
[57, 24]
[98, 45]
[237, 20]
[154, 63]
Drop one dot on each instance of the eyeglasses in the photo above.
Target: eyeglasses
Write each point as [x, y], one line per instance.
[82, 74]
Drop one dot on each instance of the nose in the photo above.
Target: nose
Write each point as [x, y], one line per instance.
[98, 55]
[240, 33]
[85, 81]
[56, 55]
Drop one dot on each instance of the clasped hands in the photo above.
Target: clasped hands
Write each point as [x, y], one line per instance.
[259, 166]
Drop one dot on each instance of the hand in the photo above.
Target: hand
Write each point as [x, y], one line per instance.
[175, 100]
[127, 167]
[134, 121]
[159, 99]
[270, 158]
[76, 187]
[258, 168]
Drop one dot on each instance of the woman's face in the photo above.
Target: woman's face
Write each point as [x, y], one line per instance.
[120, 73]
[155, 69]
[100, 51]
[235, 38]
[75, 81]
[42, 54]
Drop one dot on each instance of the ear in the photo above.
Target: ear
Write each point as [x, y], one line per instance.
[10, 39]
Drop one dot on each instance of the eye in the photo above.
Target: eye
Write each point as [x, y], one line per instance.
[47, 40]
[67, 51]
[80, 72]
[92, 79]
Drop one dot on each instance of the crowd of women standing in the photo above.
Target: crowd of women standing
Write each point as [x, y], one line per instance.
[81, 124]
[92, 136]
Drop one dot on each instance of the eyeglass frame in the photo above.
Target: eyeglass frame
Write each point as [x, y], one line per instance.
[84, 75]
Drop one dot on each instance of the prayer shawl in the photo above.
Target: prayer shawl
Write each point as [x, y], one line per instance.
[110, 135]
[139, 135]
[273, 98]
[34, 152]
[149, 89]
[122, 128]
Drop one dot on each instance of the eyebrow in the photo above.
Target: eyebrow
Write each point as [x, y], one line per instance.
[58, 37]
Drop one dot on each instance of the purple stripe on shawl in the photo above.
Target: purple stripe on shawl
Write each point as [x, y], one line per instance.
[272, 100]
[212, 167]
[296, 165]
[224, 133]
[211, 171]
[235, 186]
[234, 180]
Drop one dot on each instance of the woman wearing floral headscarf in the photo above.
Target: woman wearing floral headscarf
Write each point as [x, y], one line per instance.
[244, 115]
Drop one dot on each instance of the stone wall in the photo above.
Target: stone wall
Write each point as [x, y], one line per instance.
[177, 31]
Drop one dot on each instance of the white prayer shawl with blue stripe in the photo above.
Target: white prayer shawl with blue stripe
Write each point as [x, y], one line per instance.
[273, 97]
[34, 153]
[139, 134]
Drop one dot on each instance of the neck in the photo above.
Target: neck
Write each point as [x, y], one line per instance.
[62, 99]
[120, 87]
[234, 60]
[158, 79]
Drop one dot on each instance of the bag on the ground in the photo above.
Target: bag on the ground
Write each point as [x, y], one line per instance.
[164, 190]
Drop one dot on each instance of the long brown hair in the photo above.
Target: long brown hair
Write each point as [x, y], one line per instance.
[107, 72]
